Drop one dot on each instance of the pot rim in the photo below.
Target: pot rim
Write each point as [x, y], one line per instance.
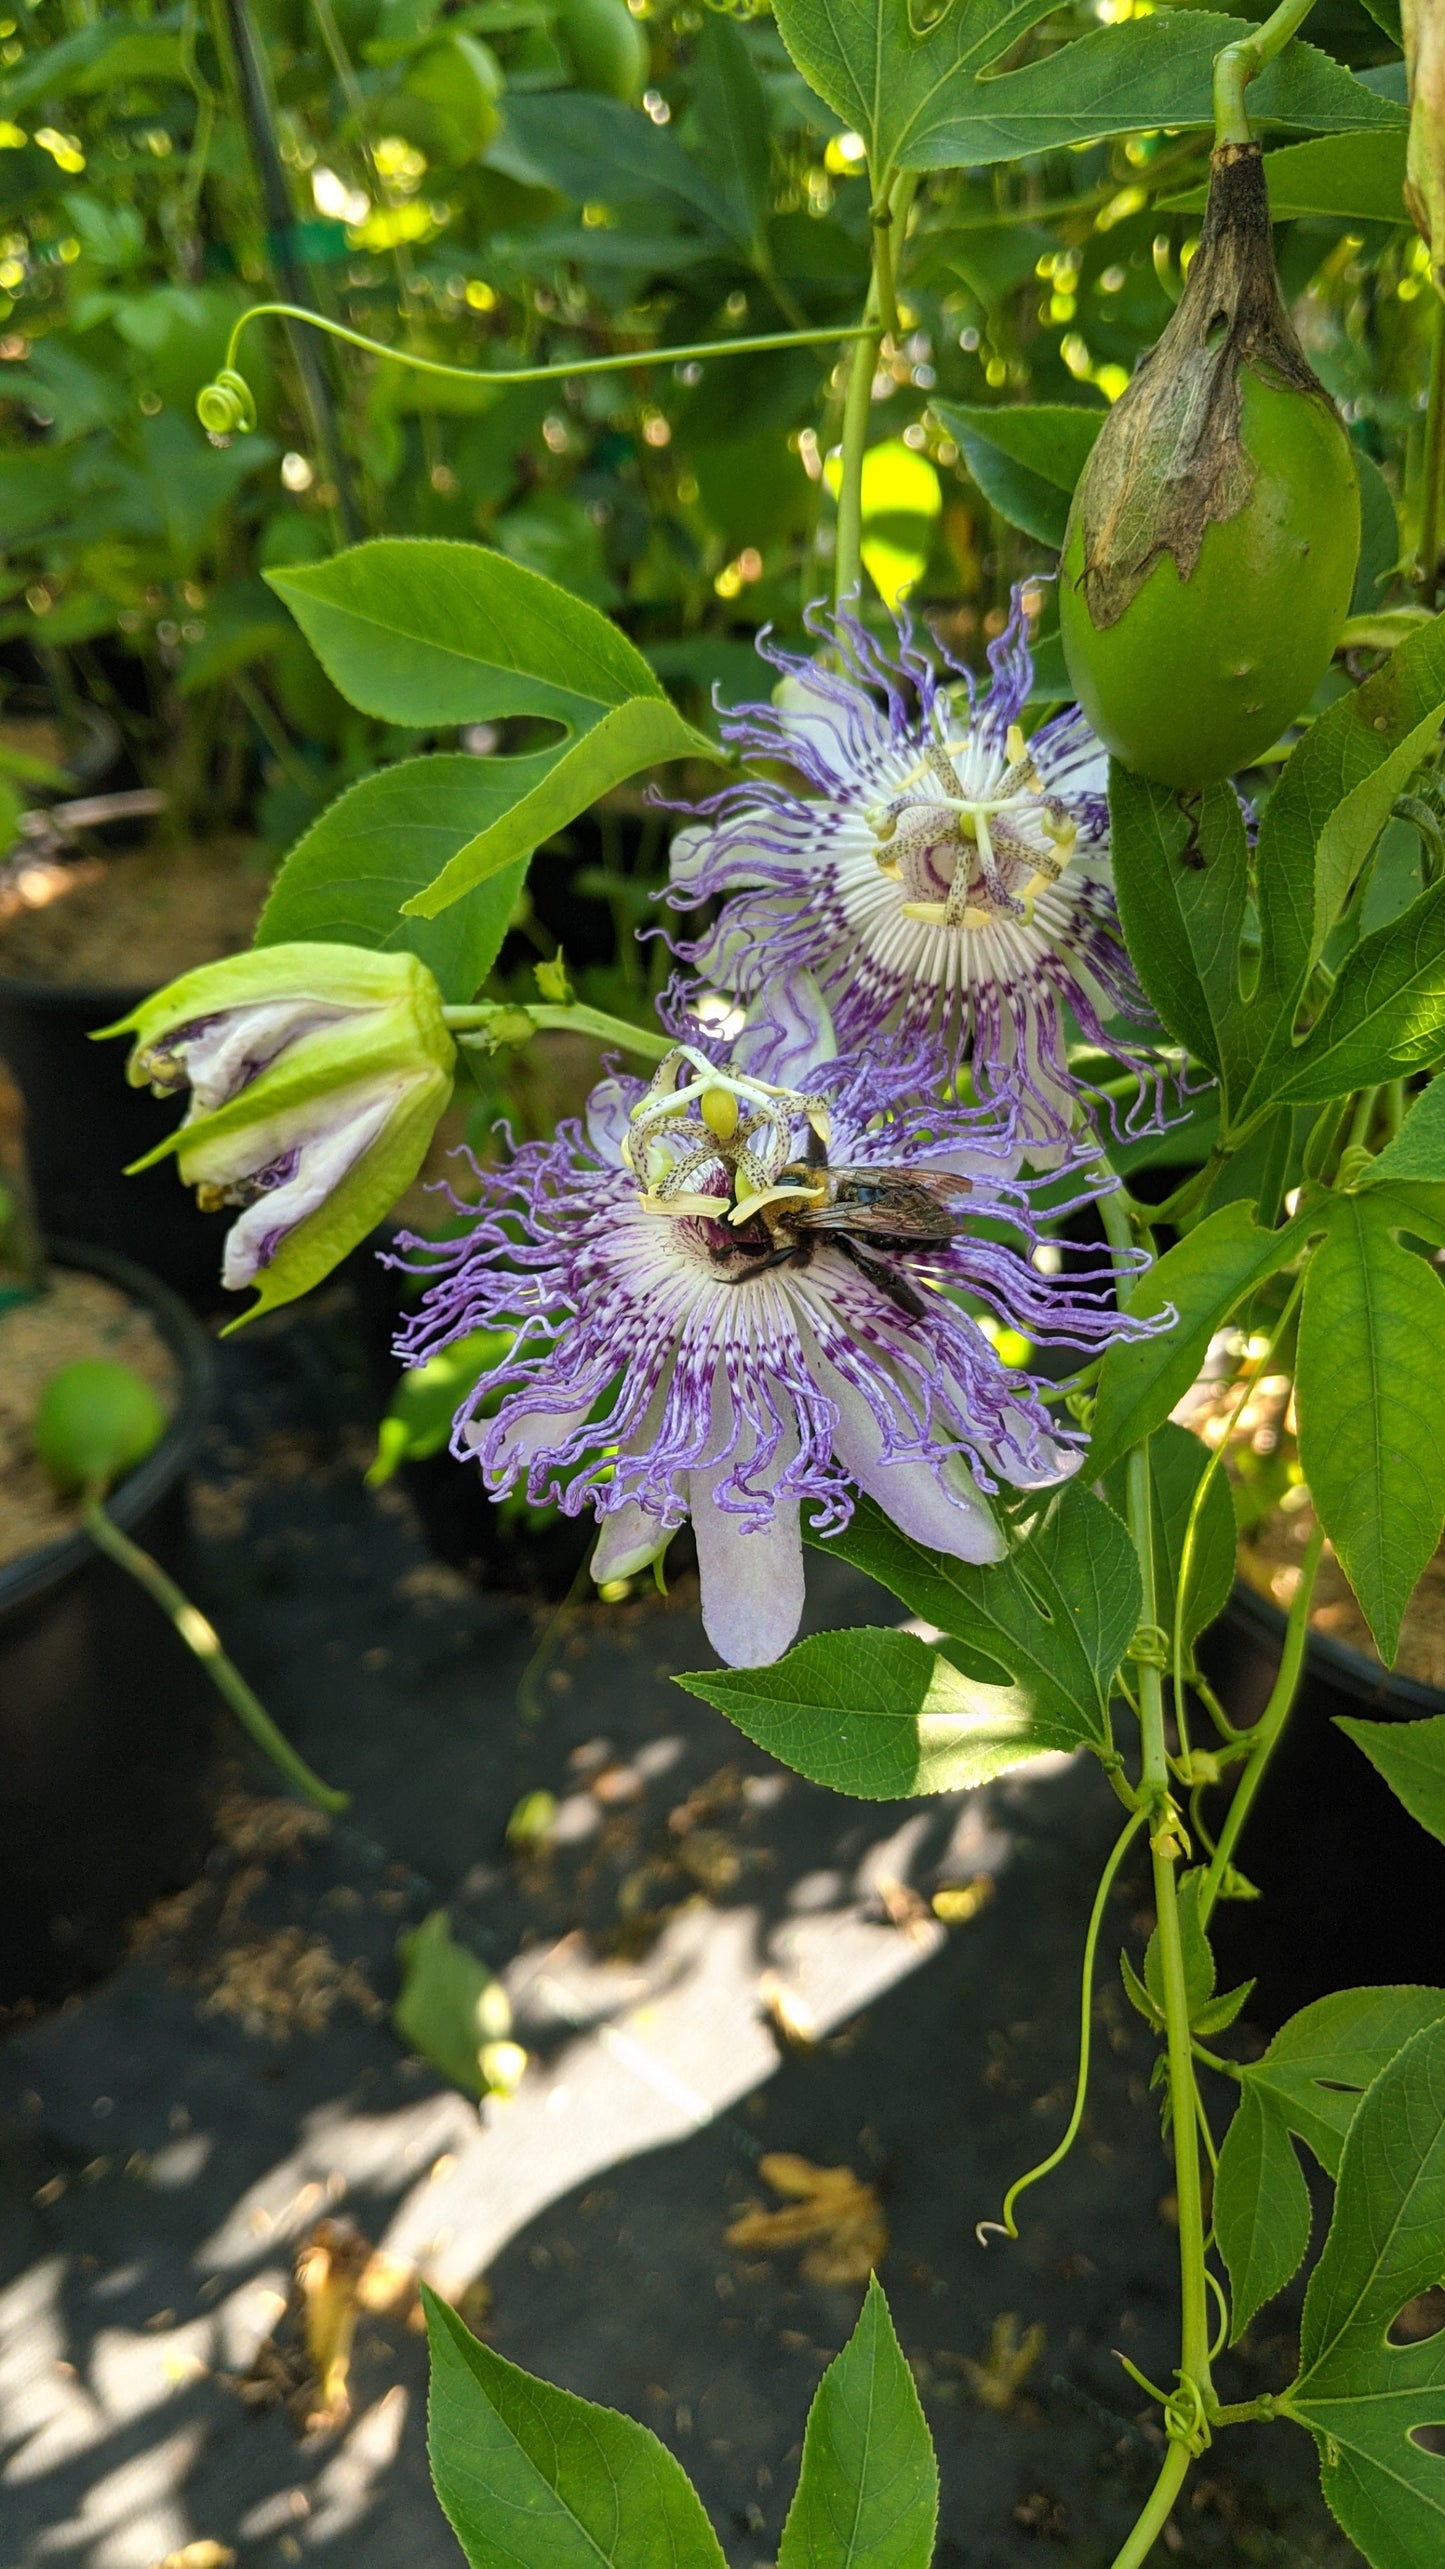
[1351, 1671]
[34, 1574]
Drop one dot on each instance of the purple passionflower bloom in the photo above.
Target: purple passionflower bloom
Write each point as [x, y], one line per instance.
[699, 1334]
[940, 876]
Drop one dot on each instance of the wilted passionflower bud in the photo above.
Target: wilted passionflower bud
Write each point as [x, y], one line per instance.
[317, 1074]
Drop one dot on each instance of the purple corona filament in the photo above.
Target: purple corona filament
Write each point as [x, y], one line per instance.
[683, 1348]
[939, 876]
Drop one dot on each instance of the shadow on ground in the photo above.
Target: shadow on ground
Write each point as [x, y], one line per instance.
[173, 2136]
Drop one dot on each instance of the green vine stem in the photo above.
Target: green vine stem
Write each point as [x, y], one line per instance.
[1007, 2224]
[1186, 2411]
[204, 1644]
[226, 409]
[887, 237]
[1427, 566]
[1265, 1736]
[1241, 63]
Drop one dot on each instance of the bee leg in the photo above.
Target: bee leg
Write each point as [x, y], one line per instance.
[744, 1248]
[897, 1288]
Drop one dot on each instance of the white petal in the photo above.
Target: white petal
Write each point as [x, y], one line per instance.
[631, 1537]
[788, 1035]
[692, 848]
[221, 1058]
[252, 1239]
[955, 1518]
[530, 1433]
[608, 1116]
[813, 714]
[752, 1584]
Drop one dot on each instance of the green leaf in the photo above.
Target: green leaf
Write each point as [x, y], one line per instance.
[1370, 1384]
[1385, 1016]
[421, 631]
[1379, 540]
[1177, 1464]
[532, 2477]
[1356, 176]
[867, 2495]
[1056, 1616]
[1182, 881]
[1320, 2063]
[1025, 459]
[450, 2005]
[1204, 1276]
[1359, 2395]
[418, 630]
[1411, 1758]
[631, 736]
[347, 880]
[1261, 2208]
[730, 111]
[880, 1715]
[596, 150]
[937, 100]
[1321, 821]
[1417, 1152]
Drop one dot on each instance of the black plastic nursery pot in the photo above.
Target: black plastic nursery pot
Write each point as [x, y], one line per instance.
[536, 1554]
[84, 1126]
[107, 1726]
[1352, 1889]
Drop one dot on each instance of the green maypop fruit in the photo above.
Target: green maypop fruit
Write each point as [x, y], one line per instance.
[603, 46]
[1211, 547]
[316, 1074]
[95, 1422]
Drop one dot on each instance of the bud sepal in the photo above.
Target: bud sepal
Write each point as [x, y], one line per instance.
[317, 1074]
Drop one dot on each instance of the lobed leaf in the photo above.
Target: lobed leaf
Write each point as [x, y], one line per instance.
[1363, 2397]
[1205, 1276]
[1181, 875]
[1370, 1387]
[1025, 458]
[1411, 1758]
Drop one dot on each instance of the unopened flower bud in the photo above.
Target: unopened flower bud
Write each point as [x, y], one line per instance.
[316, 1074]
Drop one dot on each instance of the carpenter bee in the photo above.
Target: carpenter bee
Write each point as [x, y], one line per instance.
[858, 1210]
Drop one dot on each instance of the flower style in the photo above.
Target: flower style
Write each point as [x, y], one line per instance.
[316, 1076]
[731, 1295]
[943, 877]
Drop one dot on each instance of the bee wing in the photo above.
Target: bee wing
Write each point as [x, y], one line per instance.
[900, 1207]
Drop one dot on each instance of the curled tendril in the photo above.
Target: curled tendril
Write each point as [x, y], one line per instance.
[227, 407]
[1184, 2419]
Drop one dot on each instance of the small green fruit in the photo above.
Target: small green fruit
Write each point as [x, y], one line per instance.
[1211, 547]
[604, 47]
[95, 1422]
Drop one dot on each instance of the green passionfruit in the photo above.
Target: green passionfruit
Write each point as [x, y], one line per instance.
[604, 47]
[1212, 543]
[95, 1422]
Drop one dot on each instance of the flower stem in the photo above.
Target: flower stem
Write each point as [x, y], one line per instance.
[203, 1642]
[1241, 63]
[896, 200]
[1427, 566]
[1173, 2473]
[504, 1023]
[1265, 1736]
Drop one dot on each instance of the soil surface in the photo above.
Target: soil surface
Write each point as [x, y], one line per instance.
[131, 922]
[713, 1962]
[1270, 1561]
[80, 1316]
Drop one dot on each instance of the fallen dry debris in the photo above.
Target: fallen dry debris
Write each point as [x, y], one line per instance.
[199, 2555]
[956, 1903]
[996, 2382]
[286, 1983]
[788, 2013]
[260, 1827]
[304, 2366]
[905, 1909]
[831, 2208]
